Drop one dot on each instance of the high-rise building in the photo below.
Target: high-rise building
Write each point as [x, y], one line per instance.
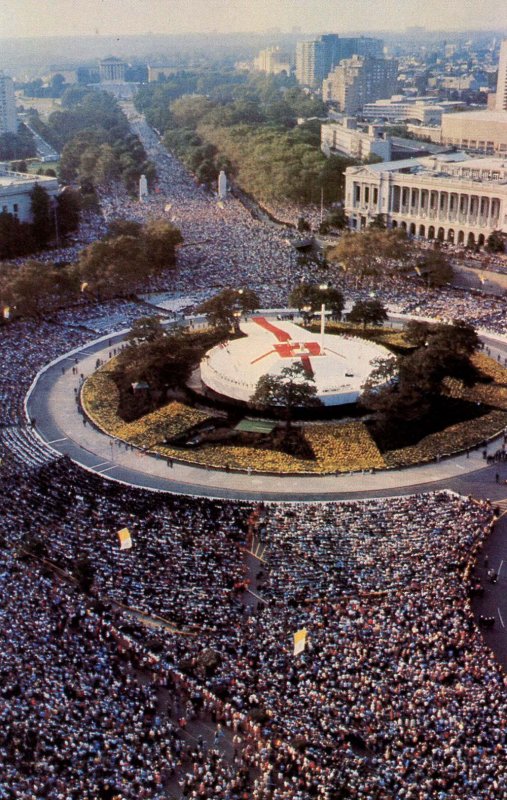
[8, 118]
[315, 59]
[501, 86]
[359, 80]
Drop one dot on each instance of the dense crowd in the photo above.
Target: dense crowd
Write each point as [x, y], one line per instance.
[394, 696]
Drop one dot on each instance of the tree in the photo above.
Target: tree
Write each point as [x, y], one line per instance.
[113, 267]
[16, 238]
[145, 329]
[368, 312]
[68, 209]
[160, 241]
[188, 110]
[496, 242]
[435, 268]
[124, 227]
[309, 297]
[292, 388]
[379, 221]
[42, 223]
[367, 253]
[441, 351]
[224, 309]
[36, 288]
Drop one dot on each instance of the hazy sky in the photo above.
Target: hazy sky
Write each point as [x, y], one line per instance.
[123, 17]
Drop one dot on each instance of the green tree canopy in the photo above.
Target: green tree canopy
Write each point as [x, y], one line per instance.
[364, 254]
[224, 309]
[368, 312]
[293, 388]
[42, 220]
[312, 296]
[435, 268]
[145, 329]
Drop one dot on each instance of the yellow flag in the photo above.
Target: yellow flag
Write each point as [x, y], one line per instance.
[7, 312]
[84, 286]
[125, 539]
[299, 641]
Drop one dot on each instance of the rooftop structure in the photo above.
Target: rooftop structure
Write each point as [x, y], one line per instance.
[451, 197]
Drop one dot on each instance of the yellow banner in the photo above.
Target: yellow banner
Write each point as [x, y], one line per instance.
[125, 539]
[299, 641]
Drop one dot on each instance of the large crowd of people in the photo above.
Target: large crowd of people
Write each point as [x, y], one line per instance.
[395, 695]
[110, 656]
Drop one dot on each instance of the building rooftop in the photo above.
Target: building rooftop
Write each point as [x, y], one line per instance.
[480, 116]
[8, 178]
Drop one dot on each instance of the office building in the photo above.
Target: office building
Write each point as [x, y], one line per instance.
[501, 86]
[360, 80]
[426, 110]
[451, 197]
[315, 59]
[344, 139]
[482, 131]
[477, 131]
[8, 118]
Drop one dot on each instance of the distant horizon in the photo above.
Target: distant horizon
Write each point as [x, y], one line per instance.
[43, 19]
[268, 32]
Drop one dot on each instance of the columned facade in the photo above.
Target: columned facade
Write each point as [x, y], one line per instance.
[428, 203]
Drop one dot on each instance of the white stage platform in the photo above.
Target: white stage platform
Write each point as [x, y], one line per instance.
[339, 365]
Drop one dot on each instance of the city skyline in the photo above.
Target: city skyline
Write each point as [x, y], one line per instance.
[39, 18]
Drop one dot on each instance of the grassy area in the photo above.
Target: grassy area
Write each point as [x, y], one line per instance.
[338, 446]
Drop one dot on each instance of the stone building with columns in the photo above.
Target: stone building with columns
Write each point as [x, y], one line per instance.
[451, 197]
[112, 70]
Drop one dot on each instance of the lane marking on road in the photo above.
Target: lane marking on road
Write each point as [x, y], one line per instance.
[500, 568]
[54, 441]
[500, 616]
[102, 464]
[107, 469]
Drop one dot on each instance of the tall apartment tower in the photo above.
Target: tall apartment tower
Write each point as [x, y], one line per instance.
[8, 118]
[316, 59]
[501, 85]
[359, 80]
